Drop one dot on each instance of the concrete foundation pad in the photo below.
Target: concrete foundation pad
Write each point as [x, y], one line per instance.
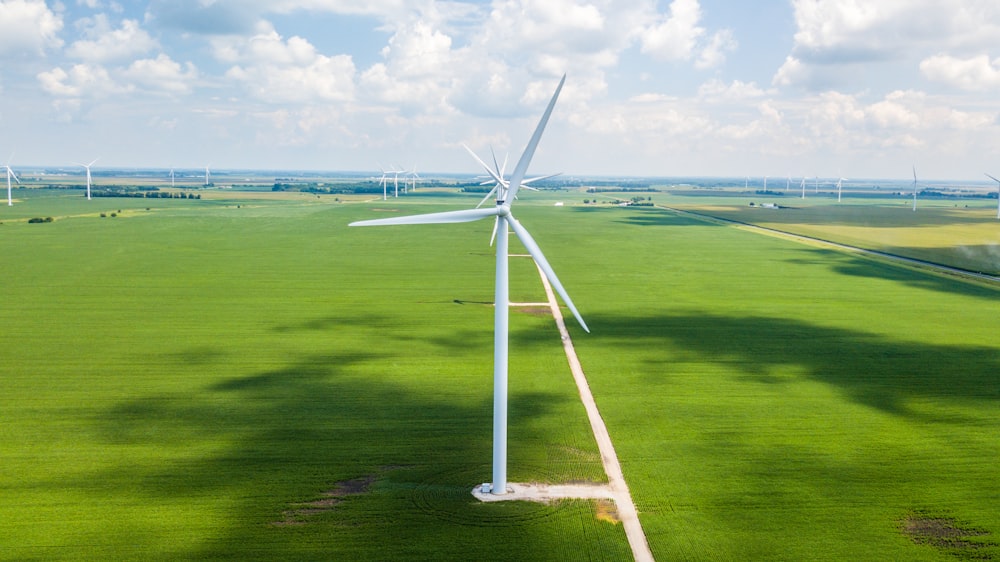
[545, 493]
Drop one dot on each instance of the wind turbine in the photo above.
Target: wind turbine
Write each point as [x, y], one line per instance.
[914, 188]
[803, 187]
[414, 176]
[87, 166]
[10, 174]
[987, 175]
[207, 175]
[506, 194]
[382, 179]
[840, 185]
[500, 182]
[171, 176]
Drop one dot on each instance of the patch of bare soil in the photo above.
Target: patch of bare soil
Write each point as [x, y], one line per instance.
[534, 310]
[949, 535]
[300, 513]
[606, 511]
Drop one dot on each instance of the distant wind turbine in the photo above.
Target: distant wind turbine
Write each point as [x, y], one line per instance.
[987, 175]
[383, 180]
[87, 167]
[506, 195]
[914, 188]
[10, 174]
[803, 187]
[171, 176]
[840, 185]
[207, 175]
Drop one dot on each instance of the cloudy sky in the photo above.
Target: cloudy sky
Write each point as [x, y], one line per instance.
[859, 88]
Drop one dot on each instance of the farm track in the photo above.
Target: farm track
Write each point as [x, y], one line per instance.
[922, 264]
[627, 512]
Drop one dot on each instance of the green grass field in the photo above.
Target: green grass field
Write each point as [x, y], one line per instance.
[249, 378]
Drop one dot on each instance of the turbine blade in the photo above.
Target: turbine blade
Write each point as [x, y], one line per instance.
[522, 165]
[485, 166]
[446, 217]
[493, 237]
[14, 174]
[524, 183]
[536, 253]
[992, 178]
[488, 195]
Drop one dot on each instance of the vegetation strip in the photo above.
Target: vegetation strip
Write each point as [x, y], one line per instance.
[623, 499]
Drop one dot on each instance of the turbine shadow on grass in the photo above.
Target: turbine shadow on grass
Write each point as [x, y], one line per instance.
[870, 369]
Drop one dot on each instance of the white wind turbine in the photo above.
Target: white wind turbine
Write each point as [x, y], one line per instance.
[987, 175]
[914, 188]
[506, 194]
[383, 180]
[207, 175]
[10, 174]
[87, 167]
[171, 176]
[840, 185]
[803, 187]
[500, 182]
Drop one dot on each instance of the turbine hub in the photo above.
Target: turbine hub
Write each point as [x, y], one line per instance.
[503, 209]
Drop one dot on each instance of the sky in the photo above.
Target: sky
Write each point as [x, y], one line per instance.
[826, 88]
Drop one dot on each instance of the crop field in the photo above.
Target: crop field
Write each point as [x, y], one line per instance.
[963, 234]
[247, 378]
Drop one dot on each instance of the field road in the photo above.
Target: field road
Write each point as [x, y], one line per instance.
[619, 489]
[811, 240]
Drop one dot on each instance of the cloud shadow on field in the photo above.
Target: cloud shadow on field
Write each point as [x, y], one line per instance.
[870, 369]
[291, 432]
[884, 269]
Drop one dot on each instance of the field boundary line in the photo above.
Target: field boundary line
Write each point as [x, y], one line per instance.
[921, 265]
[609, 458]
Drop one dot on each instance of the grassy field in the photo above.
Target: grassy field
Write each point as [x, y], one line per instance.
[249, 378]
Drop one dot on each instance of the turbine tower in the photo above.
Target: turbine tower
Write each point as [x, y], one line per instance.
[207, 175]
[87, 167]
[914, 188]
[987, 175]
[506, 194]
[10, 174]
[803, 187]
[840, 185]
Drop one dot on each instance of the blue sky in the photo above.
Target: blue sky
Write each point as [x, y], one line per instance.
[709, 88]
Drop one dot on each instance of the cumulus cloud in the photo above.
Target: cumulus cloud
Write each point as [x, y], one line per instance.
[716, 90]
[162, 74]
[104, 44]
[833, 35]
[81, 80]
[276, 70]
[28, 27]
[977, 73]
[675, 37]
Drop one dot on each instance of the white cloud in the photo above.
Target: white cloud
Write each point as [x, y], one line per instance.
[162, 74]
[28, 26]
[714, 54]
[718, 91]
[275, 70]
[975, 74]
[104, 44]
[82, 80]
[834, 37]
[675, 37]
